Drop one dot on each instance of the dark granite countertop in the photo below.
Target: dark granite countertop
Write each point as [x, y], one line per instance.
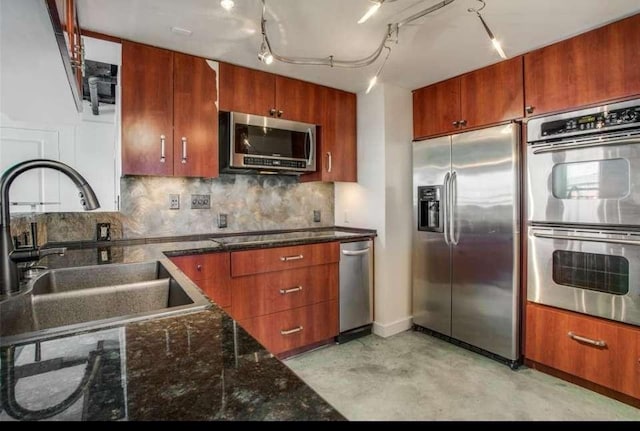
[196, 366]
[199, 366]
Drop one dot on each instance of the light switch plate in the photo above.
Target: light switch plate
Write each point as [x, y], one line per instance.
[200, 202]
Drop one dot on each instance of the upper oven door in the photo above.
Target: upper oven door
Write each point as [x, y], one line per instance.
[587, 271]
[590, 180]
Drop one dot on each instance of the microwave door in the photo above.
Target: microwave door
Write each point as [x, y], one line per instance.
[590, 183]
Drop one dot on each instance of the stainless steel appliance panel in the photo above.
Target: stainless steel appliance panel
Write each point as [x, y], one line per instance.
[596, 181]
[484, 233]
[596, 272]
[356, 284]
[431, 251]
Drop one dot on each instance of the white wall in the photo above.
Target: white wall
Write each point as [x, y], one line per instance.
[37, 111]
[381, 199]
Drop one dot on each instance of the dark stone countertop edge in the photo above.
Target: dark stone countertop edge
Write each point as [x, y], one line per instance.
[359, 234]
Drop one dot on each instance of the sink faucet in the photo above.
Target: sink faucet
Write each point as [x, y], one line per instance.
[9, 258]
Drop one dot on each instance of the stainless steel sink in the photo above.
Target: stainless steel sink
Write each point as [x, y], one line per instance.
[74, 299]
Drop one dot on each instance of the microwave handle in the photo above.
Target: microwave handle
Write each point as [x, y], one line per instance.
[308, 144]
[588, 238]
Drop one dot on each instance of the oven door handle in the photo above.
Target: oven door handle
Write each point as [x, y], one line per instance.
[560, 147]
[588, 238]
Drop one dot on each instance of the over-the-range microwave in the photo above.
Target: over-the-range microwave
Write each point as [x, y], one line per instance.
[255, 144]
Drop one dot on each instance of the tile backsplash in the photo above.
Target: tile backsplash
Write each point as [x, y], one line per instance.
[251, 202]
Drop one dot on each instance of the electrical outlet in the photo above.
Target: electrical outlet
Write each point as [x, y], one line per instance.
[103, 231]
[200, 202]
[316, 216]
[222, 221]
[346, 216]
[174, 202]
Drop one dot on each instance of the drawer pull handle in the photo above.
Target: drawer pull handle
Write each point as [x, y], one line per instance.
[291, 331]
[292, 290]
[597, 343]
[290, 258]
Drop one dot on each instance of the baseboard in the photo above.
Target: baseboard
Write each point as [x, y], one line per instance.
[388, 329]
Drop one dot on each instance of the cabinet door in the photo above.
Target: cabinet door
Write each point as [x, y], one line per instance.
[147, 110]
[297, 100]
[298, 327]
[246, 90]
[211, 272]
[492, 94]
[564, 341]
[436, 108]
[593, 67]
[195, 118]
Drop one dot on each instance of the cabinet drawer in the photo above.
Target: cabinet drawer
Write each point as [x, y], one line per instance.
[282, 258]
[202, 266]
[287, 330]
[261, 294]
[567, 341]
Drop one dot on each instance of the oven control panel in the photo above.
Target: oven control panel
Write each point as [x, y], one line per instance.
[600, 121]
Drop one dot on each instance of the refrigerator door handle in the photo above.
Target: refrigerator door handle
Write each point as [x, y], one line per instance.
[445, 218]
[453, 185]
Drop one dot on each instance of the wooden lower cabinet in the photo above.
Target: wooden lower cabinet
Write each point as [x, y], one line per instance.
[298, 327]
[210, 272]
[567, 342]
[262, 294]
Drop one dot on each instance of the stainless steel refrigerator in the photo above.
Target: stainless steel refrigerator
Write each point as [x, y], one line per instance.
[466, 202]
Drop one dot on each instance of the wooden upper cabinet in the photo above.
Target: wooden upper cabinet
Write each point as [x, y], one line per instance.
[195, 117]
[593, 67]
[336, 141]
[246, 90]
[492, 94]
[297, 100]
[436, 109]
[486, 96]
[168, 112]
[147, 110]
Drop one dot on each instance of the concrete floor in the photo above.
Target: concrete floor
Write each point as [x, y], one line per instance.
[413, 376]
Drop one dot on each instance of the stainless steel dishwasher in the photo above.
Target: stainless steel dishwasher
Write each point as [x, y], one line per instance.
[356, 289]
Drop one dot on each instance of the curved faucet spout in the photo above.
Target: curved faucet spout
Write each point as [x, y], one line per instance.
[9, 280]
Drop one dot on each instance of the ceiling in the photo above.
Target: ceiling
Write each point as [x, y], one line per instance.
[441, 45]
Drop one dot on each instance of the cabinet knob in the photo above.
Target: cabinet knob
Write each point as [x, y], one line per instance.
[529, 109]
[463, 123]
[199, 267]
[280, 113]
[272, 112]
[455, 124]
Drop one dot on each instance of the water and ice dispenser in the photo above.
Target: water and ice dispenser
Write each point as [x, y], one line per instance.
[430, 209]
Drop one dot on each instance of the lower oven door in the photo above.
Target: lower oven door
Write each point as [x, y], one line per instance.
[588, 271]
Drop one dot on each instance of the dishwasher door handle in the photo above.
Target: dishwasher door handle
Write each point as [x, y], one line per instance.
[356, 252]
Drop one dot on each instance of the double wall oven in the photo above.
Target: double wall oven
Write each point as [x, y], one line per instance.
[583, 203]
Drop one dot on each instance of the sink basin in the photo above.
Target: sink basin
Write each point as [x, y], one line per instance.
[73, 299]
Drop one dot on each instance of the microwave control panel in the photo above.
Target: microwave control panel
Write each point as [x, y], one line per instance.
[593, 122]
[274, 163]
